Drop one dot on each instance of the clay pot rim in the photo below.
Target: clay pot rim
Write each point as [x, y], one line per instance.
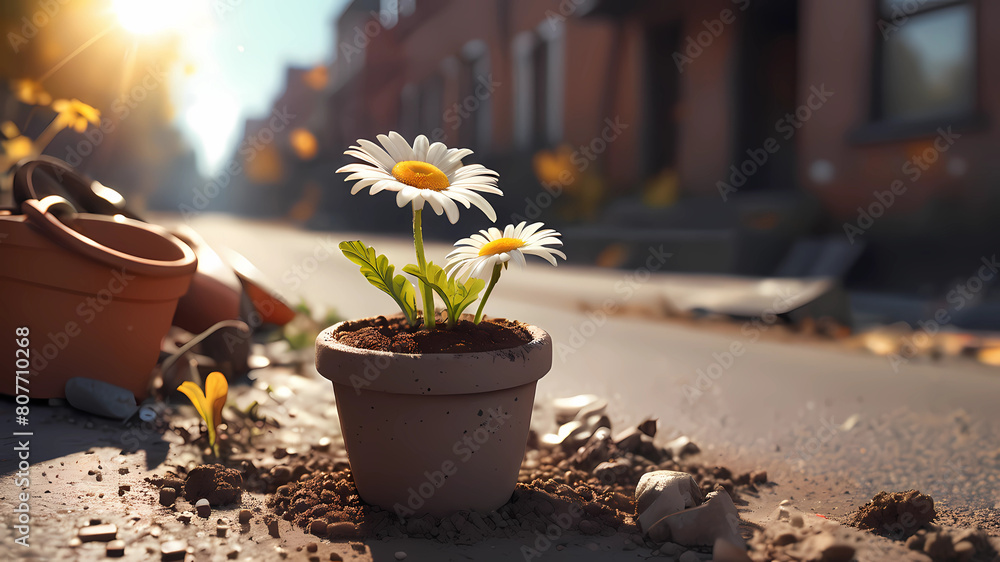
[433, 373]
[51, 227]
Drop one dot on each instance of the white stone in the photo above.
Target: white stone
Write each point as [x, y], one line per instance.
[100, 398]
[702, 525]
[662, 493]
[580, 407]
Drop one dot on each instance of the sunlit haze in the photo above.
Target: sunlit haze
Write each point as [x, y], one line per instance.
[233, 59]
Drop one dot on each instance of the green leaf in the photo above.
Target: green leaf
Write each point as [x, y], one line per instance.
[457, 296]
[379, 272]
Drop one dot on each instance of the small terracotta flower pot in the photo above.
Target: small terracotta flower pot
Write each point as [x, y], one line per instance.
[96, 293]
[434, 433]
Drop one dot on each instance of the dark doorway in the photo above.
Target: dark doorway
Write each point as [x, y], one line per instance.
[661, 99]
[767, 78]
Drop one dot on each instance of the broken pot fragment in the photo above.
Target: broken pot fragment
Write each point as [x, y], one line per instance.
[703, 525]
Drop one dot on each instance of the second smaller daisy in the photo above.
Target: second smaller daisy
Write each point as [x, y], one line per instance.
[493, 249]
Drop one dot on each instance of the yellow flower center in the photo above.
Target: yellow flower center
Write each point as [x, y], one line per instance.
[420, 175]
[500, 246]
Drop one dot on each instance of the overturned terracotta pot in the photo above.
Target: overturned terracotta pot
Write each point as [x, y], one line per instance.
[434, 433]
[92, 295]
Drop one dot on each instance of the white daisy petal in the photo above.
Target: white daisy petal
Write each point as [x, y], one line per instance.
[420, 145]
[406, 195]
[403, 146]
[376, 152]
[436, 153]
[450, 209]
[361, 185]
[544, 241]
[530, 229]
[518, 258]
[372, 174]
[508, 231]
[434, 199]
[362, 155]
[391, 185]
[477, 187]
[390, 147]
[546, 253]
[479, 201]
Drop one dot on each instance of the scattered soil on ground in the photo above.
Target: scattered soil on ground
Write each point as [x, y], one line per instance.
[218, 484]
[895, 515]
[393, 334]
[587, 489]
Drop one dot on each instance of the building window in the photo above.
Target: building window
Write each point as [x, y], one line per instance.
[926, 60]
[539, 73]
[431, 104]
[472, 114]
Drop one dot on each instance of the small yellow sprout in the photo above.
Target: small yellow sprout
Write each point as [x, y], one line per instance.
[209, 404]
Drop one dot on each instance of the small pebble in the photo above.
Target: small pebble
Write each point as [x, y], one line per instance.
[203, 508]
[245, 516]
[312, 547]
[272, 528]
[400, 555]
[221, 530]
[173, 550]
[116, 549]
[797, 521]
[101, 533]
[318, 527]
[334, 557]
[167, 496]
[185, 517]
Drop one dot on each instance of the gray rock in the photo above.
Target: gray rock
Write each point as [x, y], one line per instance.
[100, 398]
[703, 525]
[662, 493]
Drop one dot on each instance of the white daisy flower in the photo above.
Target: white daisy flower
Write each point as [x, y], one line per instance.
[424, 172]
[481, 252]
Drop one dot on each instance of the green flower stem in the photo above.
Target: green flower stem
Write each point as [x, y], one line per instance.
[486, 295]
[425, 290]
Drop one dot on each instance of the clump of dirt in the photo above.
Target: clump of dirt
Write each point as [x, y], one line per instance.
[393, 334]
[943, 544]
[895, 515]
[218, 484]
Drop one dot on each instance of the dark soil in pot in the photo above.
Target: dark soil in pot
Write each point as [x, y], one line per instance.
[394, 335]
